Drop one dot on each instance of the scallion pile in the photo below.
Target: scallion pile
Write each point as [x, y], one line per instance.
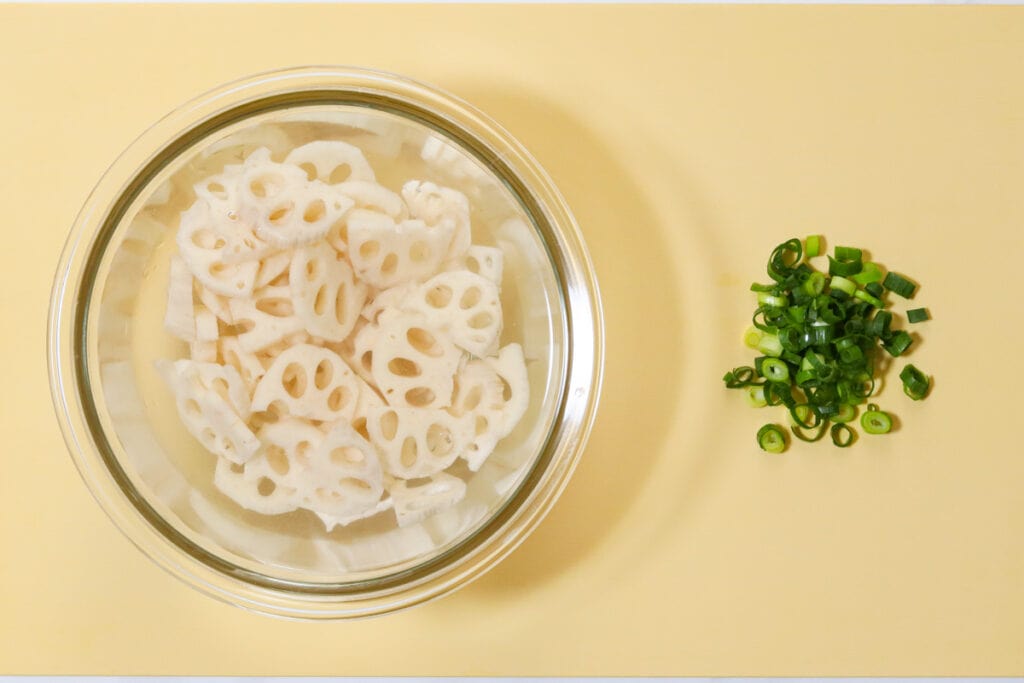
[820, 336]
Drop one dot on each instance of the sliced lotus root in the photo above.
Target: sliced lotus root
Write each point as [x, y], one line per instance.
[417, 442]
[311, 382]
[345, 475]
[385, 253]
[451, 160]
[331, 162]
[179, 319]
[366, 195]
[267, 318]
[465, 306]
[203, 351]
[332, 521]
[394, 297]
[486, 262]
[222, 194]
[479, 398]
[415, 503]
[260, 495]
[244, 362]
[278, 475]
[326, 296]
[413, 364]
[213, 403]
[201, 243]
[206, 324]
[436, 206]
[511, 368]
[274, 269]
[357, 349]
[217, 304]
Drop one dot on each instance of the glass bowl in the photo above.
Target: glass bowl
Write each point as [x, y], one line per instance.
[156, 482]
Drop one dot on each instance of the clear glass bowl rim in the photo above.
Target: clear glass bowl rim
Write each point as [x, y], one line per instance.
[584, 341]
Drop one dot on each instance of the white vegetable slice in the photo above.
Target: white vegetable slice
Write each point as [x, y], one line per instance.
[206, 324]
[511, 368]
[272, 267]
[368, 194]
[332, 521]
[311, 382]
[203, 351]
[213, 403]
[478, 397]
[464, 305]
[486, 262]
[413, 364]
[415, 503]
[345, 477]
[201, 243]
[448, 158]
[357, 349]
[179, 319]
[222, 194]
[285, 208]
[417, 442]
[385, 253]
[244, 362]
[436, 206]
[217, 304]
[326, 296]
[271, 315]
[332, 161]
[395, 297]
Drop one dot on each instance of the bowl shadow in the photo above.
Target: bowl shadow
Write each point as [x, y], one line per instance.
[645, 344]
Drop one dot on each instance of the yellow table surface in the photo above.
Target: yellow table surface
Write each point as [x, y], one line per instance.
[689, 141]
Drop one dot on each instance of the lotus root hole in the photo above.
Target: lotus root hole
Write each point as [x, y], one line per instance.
[472, 399]
[409, 452]
[506, 390]
[277, 459]
[439, 296]
[420, 397]
[369, 249]
[390, 264]
[324, 373]
[315, 211]
[359, 424]
[347, 455]
[280, 214]
[310, 170]
[265, 487]
[403, 367]
[191, 407]
[470, 298]
[293, 379]
[236, 468]
[481, 320]
[423, 341]
[481, 424]
[302, 450]
[312, 269]
[340, 174]
[321, 301]
[389, 424]
[338, 399]
[276, 307]
[351, 482]
[439, 440]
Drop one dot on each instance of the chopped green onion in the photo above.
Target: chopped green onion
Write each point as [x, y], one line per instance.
[876, 421]
[899, 285]
[755, 396]
[752, 337]
[864, 296]
[842, 435]
[770, 345]
[898, 343]
[874, 289]
[740, 377]
[822, 428]
[915, 382]
[848, 254]
[813, 245]
[916, 315]
[772, 300]
[771, 438]
[869, 272]
[843, 285]
[775, 370]
[845, 414]
[815, 284]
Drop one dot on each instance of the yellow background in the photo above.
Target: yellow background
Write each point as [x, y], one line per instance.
[689, 141]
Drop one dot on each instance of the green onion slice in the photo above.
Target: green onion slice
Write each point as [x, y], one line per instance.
[813, 245]
[916, 315]
[915, 382]
[842, 435]
[899, 285]
[869, 272]
[771, 438]
[876, 421]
